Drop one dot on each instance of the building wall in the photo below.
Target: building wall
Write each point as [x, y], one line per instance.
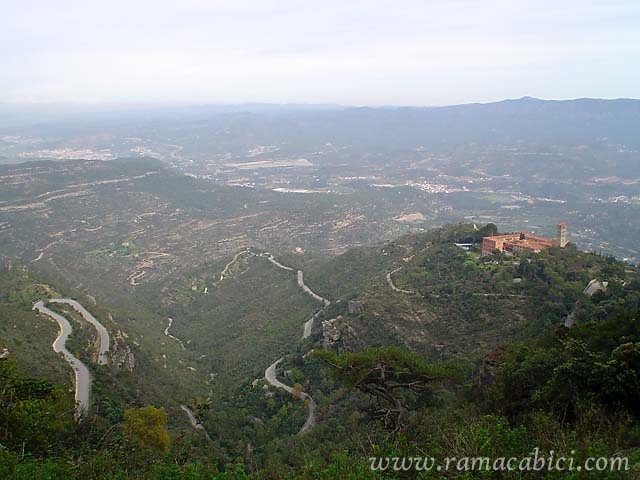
[497, 242]
[518, 242]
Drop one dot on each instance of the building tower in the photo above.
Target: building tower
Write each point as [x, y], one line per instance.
[561, 236]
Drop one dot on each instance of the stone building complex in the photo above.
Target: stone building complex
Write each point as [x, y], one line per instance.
[522, 241]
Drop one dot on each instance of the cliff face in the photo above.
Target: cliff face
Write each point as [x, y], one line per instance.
[337, 333]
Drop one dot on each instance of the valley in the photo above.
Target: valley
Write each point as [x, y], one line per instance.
[364, 175]
[279, 240]
[232, 284]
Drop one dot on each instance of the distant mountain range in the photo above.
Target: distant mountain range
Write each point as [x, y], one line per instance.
[526, 119]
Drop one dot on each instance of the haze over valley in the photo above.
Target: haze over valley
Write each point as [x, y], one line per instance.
[370, 173]
[273, 240]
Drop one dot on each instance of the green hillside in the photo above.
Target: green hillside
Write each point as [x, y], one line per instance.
[469, 330]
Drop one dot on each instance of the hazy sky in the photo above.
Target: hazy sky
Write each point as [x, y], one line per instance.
[332, 51]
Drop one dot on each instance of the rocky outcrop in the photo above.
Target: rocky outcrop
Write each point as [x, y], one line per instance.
[121, 355]
[337, 332]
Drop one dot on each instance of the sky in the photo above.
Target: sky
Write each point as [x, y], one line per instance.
[350, 52]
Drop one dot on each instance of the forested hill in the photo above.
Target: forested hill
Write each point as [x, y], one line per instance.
[424, 293]
[503, 354]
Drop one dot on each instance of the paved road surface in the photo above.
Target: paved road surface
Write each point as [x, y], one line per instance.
[83, 379]
[270, 376]
[192, 418]
[102, 332]
[270, 372]
[308, 325]
[302, 285]
[277, 263]
[592, 287]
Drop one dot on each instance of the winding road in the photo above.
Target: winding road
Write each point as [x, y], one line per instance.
[225, 271]
[307, 290]
[308, 325]
[82, 376]
[393, 286]
[270, 376]
[83, 379]
[270, 372]
[194, 421]
[192, 418]
[166, 332]
[102, 332]
[277, 263]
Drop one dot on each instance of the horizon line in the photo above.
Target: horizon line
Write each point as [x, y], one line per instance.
[248, 103]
